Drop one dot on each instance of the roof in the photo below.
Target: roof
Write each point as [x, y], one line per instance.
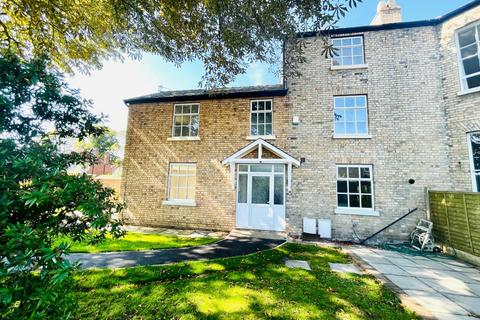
[201, 94]
[398, 25]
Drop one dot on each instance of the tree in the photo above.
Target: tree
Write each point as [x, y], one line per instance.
[100, 145]
[39, 200]
[226, 35]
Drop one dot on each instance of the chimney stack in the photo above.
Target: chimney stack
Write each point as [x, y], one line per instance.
[387, 12]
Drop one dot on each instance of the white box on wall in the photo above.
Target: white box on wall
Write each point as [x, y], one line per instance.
[309, 226]
[325, 228]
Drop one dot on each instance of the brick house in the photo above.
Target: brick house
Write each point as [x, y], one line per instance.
[354, 141]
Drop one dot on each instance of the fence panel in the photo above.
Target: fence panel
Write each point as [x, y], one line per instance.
[456, 219]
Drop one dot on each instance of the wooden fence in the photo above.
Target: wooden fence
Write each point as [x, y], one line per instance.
[456, 219]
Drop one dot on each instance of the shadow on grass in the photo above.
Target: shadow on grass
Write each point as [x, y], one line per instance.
[250, 287]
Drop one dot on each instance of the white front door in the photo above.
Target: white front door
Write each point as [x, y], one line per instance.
[261, 197]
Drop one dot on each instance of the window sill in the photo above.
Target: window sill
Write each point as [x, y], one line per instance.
[183, 139]
[261, 137]
[183, 203]
[353, 67]
[352, 136]
[357, 211]
[468, 91]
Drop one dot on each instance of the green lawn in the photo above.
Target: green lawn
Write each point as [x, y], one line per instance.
[257, 286]
[137, 241]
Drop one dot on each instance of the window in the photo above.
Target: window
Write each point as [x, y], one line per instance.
[261, 122]
[185, 120]
[354, 187]
[181, 182]
[474, 147]
[348, 51]
[350, 115]
[468, 41]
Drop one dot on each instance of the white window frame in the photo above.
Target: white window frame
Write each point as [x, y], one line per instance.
[189, 137]
[352, 210]
[264, 136]
[349, 66]
[180, 202]
[351, 135]
[461, 69]
[473, 173]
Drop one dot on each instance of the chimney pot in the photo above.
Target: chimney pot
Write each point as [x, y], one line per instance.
[387, 12]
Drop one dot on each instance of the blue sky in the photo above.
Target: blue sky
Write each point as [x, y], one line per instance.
[117, 81]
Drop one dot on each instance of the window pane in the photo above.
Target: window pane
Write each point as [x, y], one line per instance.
[349, 102]
[339, 115]
[194, 108]
[261, 130]
[268, 105]
[337, 42]
[173, 186]
[471, 65]
[175, 169]
[254, 118]
[342, 186]
[466, 37]
[242, 188]
[178, 109]
[260, 190]
[346, 52]
[268, 117]
[354, 201]
[353, 172]
[192, 182]
[177, 131]
[190, 193]
[279, 168]
[261, 118]
[342, 200]
[475, 142]
[357, 51]
[366, 187]
[261, 168]
[358, 60]
[350, 115]
[473, 82]
[182, 181]
[254, 130]
[347, 61]
[366, 201]
[478, 183]
[362, 128]
[254, 106]
[360, 101]
[243, 167]
[337, 61]
[185, 131]
[340, 127]
[356, 41]
[361, 115]
[346, 41]
[353, 187]
[278, 189]
[261, 105]
[342, 172]
[469, 51]
[194, 127]
[178, 120]
[268, 129]
[186, 108]
[182, 193]
[185, 120]
[339, 102]
[350, 128]
[365, 173]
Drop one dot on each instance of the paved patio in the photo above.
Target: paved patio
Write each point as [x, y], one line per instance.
[435, 287]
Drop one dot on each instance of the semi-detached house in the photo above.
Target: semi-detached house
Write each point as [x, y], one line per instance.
[353, 142]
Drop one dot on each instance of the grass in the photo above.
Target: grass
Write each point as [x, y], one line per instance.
[136, 241]
[257, 286]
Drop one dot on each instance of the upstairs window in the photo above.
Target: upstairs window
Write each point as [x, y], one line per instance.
[261, 118]
[185, 120]
[348, 51]
[468, 41]
[350, 116]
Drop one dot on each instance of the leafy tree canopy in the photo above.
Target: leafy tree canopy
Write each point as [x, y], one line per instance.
[225, 35]
[101, 144]
[39, 200]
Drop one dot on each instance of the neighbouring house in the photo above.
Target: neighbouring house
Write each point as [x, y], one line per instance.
[354, 141]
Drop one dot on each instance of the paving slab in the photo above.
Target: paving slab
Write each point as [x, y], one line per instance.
[409, 283]
[402, 262]
[298, 264]
[435, 302]
[448, 285]
[471, 304]
[389, 269]
[345, 268]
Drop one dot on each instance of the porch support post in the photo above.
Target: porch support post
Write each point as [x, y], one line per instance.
[289, 177]
[232, 174]
[260, 151]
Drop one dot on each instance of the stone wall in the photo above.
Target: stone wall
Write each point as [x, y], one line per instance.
[224, 127]
[462, 110]
[407, 125]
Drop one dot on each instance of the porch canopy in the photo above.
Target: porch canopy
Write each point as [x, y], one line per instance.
[261, 151]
